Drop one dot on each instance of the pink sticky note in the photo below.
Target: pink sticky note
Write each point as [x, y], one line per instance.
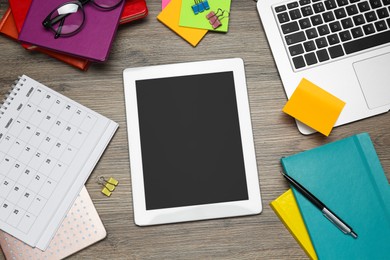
[164, 3]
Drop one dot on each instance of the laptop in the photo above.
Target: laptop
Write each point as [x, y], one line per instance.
[342, 46]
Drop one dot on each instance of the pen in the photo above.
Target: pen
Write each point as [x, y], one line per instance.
[332, 217]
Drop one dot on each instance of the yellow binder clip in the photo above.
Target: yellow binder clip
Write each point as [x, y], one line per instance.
[108, 185]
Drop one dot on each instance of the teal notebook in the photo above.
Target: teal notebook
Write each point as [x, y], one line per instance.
[348, 178]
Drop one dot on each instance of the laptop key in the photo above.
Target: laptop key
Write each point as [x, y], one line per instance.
[323, 29]
[347, 23]
[330, 4]
[295, 38]
[295, 14]
[352, 9]
[357, 32]
[307, 10]
[311, 33]
[368, 29]
[363, 6]
[309, 46]
[386, 2]
[316, 20]
[311, 58]
[345, 36]
[336, 51]
[290, 27]
[299, 62]
[358, 19]
[318, 7]
[375, 4]
[342, 2]
[382, 13]
[304, 23]
[340, 13]
[328, 16]
[321, 42]
[292, 5]
[335, 26]
[380, 26]
[367, 42]
[333, 39]
[280, 8]
[296, 49]
[283, 17]
[322, 55]
[304, 2]
[370, 16]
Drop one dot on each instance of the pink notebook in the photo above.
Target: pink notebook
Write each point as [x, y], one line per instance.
[81, 227]
[94, 40]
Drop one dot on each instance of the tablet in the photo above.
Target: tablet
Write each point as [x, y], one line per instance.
[191, 145]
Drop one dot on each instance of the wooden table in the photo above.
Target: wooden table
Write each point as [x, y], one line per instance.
[148, 42]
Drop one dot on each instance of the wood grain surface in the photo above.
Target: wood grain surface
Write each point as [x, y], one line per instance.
[148, 42]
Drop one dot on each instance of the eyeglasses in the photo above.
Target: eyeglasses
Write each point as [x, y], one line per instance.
[68, 18]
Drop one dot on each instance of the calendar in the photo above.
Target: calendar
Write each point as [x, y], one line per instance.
[49, 145]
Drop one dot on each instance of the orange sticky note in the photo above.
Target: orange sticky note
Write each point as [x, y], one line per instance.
[314, 107]
[170, 16]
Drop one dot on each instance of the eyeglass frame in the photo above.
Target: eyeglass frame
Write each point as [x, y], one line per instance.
[48, 23]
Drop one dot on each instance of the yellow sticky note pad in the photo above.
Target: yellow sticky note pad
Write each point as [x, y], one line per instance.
[314, 107]
[170, 16]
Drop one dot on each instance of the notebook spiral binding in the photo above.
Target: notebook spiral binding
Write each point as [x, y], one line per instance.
[11, 94]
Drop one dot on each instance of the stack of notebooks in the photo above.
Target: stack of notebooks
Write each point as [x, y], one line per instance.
[191, 20]
[347, 177]
[23, 22]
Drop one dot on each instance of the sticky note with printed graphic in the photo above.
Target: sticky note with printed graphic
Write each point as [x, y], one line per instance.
[314, 107]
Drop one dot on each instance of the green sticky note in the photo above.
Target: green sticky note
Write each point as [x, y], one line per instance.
[220, 8]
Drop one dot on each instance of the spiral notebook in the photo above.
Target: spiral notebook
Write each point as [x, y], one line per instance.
[81, 228]
[49, 145]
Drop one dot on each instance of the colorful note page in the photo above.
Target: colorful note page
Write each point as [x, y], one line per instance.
[81, 227]
[221, 11]
[314, 107]
[164, 3]
[170, 17]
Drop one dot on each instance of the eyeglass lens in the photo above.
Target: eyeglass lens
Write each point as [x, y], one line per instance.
[107, 4]
[71, 22]
[69, 17]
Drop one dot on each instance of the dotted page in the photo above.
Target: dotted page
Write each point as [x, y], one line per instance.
[49, 145]
[81, 227]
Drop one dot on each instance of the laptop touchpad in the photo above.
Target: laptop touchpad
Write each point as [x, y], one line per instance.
[374, 78]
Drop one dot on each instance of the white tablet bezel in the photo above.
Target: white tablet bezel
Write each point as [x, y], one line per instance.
[143, 217]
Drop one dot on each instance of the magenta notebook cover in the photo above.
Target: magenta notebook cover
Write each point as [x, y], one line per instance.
[94, 40]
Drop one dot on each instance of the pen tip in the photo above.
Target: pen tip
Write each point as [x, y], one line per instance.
[353, 234]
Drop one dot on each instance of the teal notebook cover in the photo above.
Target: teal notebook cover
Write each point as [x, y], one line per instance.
[348, 178]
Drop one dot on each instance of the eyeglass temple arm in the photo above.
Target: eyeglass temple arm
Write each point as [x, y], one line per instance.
[47, 22]
[58, 32]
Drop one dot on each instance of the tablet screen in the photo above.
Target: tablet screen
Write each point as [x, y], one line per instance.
[190, 140]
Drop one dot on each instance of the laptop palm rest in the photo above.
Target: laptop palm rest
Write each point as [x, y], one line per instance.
[374, 79]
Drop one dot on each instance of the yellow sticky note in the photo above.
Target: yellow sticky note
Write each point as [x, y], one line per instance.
[314, 107]
[170, 16]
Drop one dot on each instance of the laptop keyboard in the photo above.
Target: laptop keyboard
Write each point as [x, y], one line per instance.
[316, 31]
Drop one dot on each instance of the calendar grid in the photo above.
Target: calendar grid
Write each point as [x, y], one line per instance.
[44, 138]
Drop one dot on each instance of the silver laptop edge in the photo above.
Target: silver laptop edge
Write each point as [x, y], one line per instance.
[338, 77]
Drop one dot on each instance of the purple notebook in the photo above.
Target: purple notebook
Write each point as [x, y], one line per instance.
[94, 40]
